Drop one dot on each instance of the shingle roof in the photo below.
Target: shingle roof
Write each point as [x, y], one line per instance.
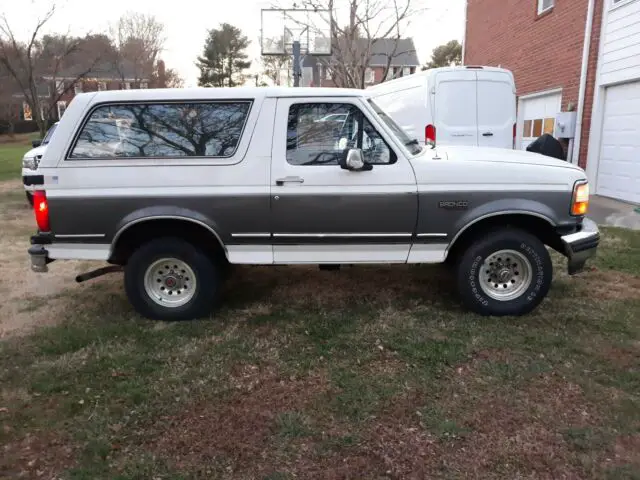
[404, 55]
[402, 52]
[106, 70]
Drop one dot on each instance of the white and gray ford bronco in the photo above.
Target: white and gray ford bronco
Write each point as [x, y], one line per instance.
[172, 186]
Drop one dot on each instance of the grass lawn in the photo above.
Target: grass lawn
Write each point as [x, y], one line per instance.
[364, 373]
[11, 152]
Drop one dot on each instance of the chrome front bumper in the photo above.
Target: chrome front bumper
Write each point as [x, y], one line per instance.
[581, 246]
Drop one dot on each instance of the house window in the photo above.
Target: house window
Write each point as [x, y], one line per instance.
[60, 86]
[406, 71]
[369, 76]
[544, 5]
[534, 128]
[327, 74]
[127, 85]
[162, 130]
[144, 85]
[62, 107]
[389, 73]
[77, 88]
[102, 86]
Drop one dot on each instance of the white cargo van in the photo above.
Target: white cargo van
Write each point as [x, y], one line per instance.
[473, 106]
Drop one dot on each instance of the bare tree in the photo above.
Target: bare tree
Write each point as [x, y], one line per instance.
[19, 59]
[139, 40]
[7, 102]
[366, 23]
[36, 64]
[173, 79]
[274, 65]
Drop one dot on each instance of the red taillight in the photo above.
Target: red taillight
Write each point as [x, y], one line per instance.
[41, 209]
[430, 134]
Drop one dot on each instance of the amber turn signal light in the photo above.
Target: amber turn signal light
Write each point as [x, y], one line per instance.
[580, 204]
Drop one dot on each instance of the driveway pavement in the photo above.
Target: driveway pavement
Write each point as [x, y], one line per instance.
[606, 211]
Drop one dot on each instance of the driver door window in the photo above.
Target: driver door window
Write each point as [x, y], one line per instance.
[322, 133]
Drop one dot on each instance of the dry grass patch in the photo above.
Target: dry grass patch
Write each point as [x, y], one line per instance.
[609, 285]
[627, 450]
[36, 455]
[516, 432]
[239, 431]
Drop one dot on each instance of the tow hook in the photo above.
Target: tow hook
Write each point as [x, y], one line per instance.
[98, 273]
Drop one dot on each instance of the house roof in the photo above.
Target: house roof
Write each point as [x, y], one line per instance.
[402, 52]
[106, 70]
[404, 55]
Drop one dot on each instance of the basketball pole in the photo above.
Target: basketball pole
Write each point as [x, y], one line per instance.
[296, 63]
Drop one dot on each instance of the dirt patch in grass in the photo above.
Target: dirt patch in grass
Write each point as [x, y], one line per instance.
[517, 431]
[627, 450]
[610, 285]
[238, 431]
[621, 357]
[11, 186]
[29, 299]
[37, 455]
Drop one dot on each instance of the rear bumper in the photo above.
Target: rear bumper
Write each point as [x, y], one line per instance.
[31, 181]
[581, 246]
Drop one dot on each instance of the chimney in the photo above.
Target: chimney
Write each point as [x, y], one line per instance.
[162, 76]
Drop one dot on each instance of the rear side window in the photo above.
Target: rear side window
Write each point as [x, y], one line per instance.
[162, 130]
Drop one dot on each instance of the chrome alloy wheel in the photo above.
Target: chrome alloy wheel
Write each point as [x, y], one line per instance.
[170, 282]
[505, 275]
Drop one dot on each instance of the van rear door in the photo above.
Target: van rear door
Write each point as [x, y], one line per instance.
[496, 109]
[455, 107]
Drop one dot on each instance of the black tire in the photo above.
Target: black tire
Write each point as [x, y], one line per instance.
[207, 280]
[30, 198]
[469, 268]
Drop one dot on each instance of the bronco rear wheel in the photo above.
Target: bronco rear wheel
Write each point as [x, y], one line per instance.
[507, 272]
[171, 279]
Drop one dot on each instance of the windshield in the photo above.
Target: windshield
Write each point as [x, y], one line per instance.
[47, 137]
[412, 144]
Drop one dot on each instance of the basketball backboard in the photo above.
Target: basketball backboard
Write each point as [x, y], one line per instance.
[280, 28]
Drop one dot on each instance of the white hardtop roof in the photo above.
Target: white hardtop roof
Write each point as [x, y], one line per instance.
[419, 77]
[218, 93]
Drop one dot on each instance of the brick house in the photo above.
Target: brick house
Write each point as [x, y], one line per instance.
[65, 84]
[570, 55]
[402, 54]
[102, 77]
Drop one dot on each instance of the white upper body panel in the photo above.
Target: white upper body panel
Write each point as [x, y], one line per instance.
[452, 164]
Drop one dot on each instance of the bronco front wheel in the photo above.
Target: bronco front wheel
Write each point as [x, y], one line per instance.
[507, 272]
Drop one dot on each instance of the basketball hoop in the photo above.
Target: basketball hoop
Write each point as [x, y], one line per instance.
[296, 33]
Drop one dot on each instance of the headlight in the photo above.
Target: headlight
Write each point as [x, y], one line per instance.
[30, 162]
[580, 202]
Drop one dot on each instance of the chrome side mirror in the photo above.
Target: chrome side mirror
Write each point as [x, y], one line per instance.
[354, 161]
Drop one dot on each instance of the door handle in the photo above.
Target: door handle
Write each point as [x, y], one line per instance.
[488, 134]
[282, 181]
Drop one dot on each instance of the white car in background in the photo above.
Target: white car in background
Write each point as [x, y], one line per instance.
[31, 160]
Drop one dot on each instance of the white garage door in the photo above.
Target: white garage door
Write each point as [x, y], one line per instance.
[619, 166]
[536, 116]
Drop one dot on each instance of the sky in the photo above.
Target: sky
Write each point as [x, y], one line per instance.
[187, 22]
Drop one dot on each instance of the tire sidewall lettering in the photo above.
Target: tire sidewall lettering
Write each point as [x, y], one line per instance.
[473, 281]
